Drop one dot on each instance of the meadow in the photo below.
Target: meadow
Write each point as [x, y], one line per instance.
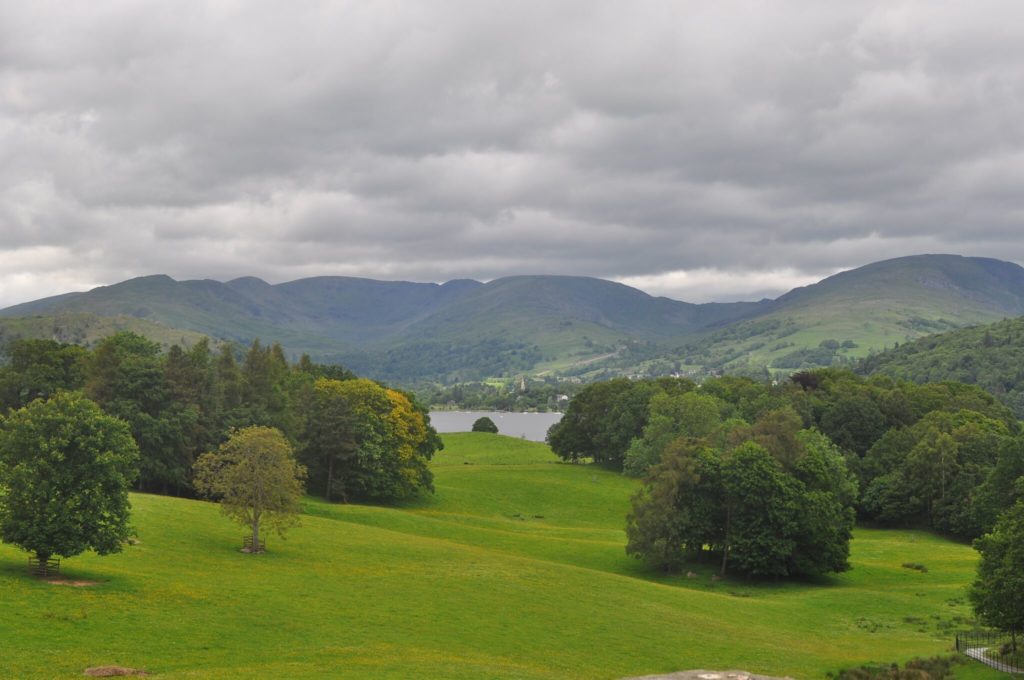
[515, 568]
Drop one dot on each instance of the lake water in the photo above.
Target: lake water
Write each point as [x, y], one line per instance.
[532, 426]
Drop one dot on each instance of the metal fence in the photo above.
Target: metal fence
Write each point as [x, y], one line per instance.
[992, 648]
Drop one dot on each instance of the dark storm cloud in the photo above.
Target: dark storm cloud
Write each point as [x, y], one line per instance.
[699, 150]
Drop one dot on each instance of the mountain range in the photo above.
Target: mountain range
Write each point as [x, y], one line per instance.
[554, 325]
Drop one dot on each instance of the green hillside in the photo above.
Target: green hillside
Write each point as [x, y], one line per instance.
[991, 356]
[867, 309]
[408, 332]
[524, 305]
[515, 569]
[86, 329]
[239, 311]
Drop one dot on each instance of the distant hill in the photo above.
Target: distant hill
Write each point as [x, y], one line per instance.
[561, 325]
[990, 356]
[316, 315]
[863, 310]
[403, 331]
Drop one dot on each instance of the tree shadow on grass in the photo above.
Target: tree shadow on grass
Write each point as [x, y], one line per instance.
[704, 575]
[70, 575]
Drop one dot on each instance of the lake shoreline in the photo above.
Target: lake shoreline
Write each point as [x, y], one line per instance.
[531, 425]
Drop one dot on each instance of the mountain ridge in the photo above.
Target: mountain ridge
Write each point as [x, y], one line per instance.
[554, 324]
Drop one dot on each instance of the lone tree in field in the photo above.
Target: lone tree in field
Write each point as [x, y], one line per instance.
[998, 591]
[485, 424]
[65, 470]
[256, 478]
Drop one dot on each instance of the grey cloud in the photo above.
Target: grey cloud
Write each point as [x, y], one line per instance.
[437, 140]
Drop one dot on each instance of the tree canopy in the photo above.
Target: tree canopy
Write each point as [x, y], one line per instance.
[825, 444]
[65, 470]
[998, 592]
[256, 479]
[485, 424]
[38, 369]
[365, 441]
[183, 401]
[767, 500]
[602, 419]
[989, 356]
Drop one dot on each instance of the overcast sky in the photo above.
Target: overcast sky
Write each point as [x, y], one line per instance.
[700, 150]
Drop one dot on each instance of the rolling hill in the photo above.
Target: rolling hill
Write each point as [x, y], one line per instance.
[514, 569]
[462, 330]
[406, 331]
[305, 315]
[863, 310]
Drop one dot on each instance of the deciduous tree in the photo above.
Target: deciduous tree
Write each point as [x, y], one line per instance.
[602, 420]
[691, 414]
[998, 591]
[38, 369]
[485, 424]
[777, 502]
[256, 479]
[65, 470]
[365, 441]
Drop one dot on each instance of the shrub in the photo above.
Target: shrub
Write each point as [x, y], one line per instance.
[934, 668]
[485, 424]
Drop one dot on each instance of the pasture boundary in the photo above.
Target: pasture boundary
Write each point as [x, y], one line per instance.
[980, 645]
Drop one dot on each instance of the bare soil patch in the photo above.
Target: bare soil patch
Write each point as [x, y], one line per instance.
[71, 582]
[113, 672]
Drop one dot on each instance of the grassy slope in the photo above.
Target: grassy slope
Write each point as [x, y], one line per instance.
[87, 329]
[876, 306]
[514, 569]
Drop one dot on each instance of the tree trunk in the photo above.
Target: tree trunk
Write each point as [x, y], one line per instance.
[44, 559]
[256, 535]
[725, 549]
[330, 478]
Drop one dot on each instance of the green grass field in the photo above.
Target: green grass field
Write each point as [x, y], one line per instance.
[514, 569]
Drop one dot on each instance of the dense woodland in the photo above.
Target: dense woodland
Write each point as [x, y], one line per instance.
[991, 356]
[358, 439]
[768, 478]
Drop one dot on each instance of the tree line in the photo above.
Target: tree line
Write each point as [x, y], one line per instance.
[768, 478]
[357, 438]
